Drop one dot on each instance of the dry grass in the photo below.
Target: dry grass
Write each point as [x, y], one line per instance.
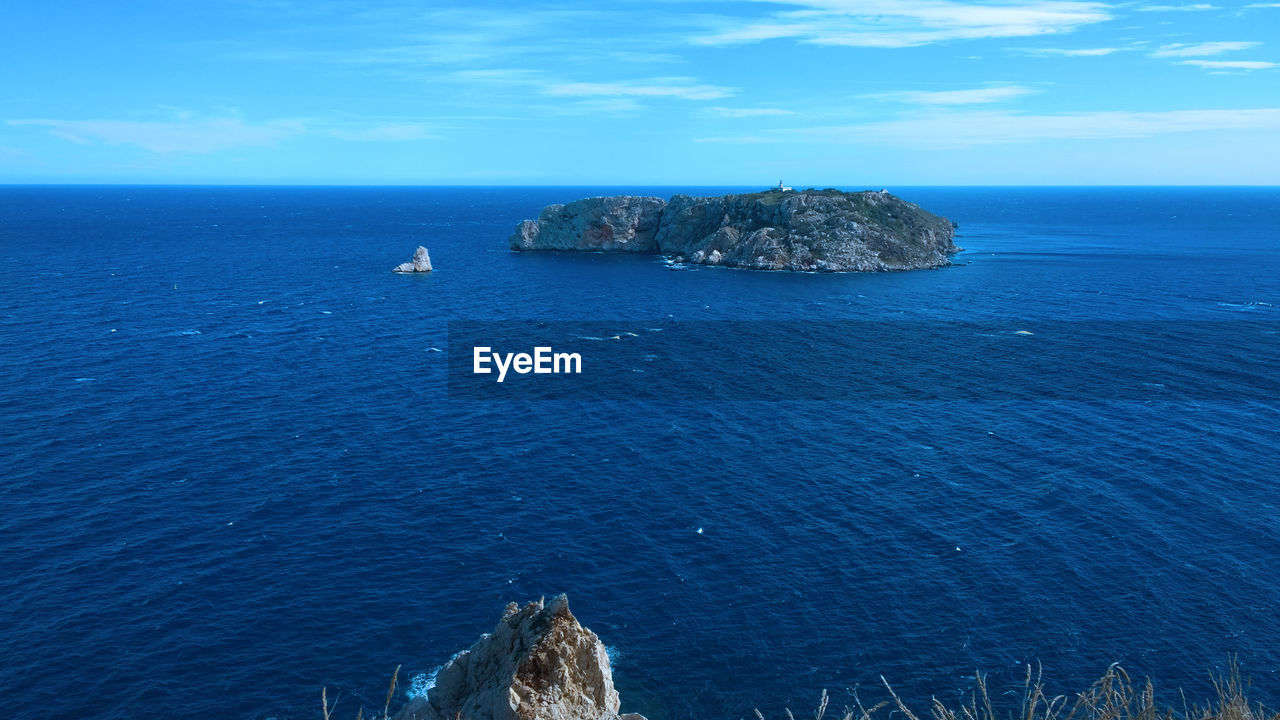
[1114, 696]
[386, 707]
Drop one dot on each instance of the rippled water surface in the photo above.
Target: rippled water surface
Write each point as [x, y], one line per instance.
[232, 471]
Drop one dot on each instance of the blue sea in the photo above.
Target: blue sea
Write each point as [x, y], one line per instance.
[237, 465]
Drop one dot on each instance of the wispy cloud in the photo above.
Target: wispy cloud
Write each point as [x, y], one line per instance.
[1072, 52]
[187, 136]
[728, 112]
[674, 87]
[402, 39]
[392, 132]
[905, 23]
[1201, 49]
[645, 58]
[1197, 7]
[976, 96]
[529, 89]
[952, 129]
[1230, 64]
[498, 75]
[1255, 6]
[595, 107]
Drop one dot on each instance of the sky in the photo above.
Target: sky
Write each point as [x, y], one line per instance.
[660, 92]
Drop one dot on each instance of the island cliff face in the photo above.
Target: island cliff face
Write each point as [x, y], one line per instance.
[810, 230]
[624, 223]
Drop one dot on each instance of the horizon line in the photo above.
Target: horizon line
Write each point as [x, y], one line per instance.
[610, 185]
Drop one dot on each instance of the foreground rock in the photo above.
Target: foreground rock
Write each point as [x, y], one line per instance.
[421, 262]
[809, 230]
[537, 664]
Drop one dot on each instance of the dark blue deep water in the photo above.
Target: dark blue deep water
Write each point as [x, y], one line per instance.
[232, 471]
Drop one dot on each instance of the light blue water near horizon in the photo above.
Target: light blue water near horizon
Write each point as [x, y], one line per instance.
[232, 474]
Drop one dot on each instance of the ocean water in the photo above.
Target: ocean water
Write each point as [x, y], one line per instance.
[238, 462]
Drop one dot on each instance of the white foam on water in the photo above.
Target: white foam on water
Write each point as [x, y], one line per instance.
[325, 312]
[421, 683]
[1251, 305]
[613, 653]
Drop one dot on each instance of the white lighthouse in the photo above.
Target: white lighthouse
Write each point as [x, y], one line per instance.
[783, 188]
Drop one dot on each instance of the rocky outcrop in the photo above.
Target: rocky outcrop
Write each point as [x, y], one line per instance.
[537, 664]
[421, 262]
[624, 223]
[810, 230]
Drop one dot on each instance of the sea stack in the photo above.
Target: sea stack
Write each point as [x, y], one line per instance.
[420, 263]
[537, 664]
[780, 229]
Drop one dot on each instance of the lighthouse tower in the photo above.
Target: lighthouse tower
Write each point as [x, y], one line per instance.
[783, 188]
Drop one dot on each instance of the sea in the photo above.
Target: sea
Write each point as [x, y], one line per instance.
[242, 462]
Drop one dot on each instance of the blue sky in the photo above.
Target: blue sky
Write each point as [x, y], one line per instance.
[662, 92]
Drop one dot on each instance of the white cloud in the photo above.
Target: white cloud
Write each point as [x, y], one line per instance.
[683, 88]
[1177, 8]
[1201, 49]
[191, 136]
[729, 112]
[1253, 6]
[950, 129]
[1230, 64]
[975, 96]
[905, 23]
[1073, 52]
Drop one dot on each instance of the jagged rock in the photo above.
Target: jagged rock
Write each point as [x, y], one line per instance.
[624, 223]
[810, 230]
[421, 262]
[537, 664]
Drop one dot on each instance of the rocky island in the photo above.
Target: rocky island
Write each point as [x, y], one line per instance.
[421, 263]
[537, 664]
[807, 230]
